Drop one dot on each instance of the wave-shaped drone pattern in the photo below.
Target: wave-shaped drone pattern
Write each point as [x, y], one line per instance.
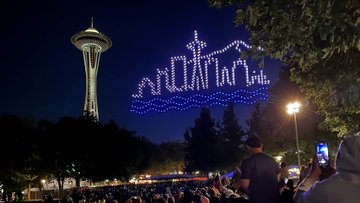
[243, 96]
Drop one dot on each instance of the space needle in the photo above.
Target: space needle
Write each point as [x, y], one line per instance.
[92, 43]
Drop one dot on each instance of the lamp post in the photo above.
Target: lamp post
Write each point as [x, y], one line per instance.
[294, 108]
[43, 181]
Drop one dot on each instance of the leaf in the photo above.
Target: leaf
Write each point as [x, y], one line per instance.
[240, 16]
[261, 63]
[323, 34]
[358, 45]
[253, 17]
[326, 52]
[244, 55]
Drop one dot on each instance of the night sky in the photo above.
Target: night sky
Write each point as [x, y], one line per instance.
[42, 73]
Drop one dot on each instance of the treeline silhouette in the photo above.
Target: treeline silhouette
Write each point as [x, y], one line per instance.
[79, 148]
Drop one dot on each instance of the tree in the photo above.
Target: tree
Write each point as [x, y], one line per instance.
[90, 156]
[167, 158]
[47, 150]
[31, 170]
[202, 144]
[257, 123]
[334, 86]
[16, 145]
[232, 136]
[315, 38]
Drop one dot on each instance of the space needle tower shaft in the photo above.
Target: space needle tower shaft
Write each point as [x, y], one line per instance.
[92, 43]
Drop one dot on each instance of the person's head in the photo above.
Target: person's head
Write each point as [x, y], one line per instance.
[290, 184]
[76, 191]
[212, 192]
[225, 181]
[155, 197]
[197, 198]
[171, 200]
[348, 155]
[217, 178]
[188, 195]
[136, 199]
[283, 165]
[67, 199]
[254, 145]
[204, 192]
[282, 183]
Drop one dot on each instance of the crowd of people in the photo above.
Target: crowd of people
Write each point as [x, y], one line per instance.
[181, 192]
[259, 179]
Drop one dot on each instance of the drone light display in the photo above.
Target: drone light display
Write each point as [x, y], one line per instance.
[202, 80]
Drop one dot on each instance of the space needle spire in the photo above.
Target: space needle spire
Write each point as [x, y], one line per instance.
[92, 43]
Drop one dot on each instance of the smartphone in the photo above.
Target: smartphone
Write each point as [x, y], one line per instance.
[322, 151]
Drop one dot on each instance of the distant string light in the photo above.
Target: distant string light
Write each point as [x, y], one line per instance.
[199, 67]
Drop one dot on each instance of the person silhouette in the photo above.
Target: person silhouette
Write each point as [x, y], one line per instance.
[260, 174]
[343, 186]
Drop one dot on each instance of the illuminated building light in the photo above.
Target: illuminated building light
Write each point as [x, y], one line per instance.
[198, 68]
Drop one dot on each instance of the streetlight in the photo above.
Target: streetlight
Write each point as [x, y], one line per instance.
[294, 108]
[43, 181]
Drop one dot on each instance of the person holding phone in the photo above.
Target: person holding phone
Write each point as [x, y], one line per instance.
[343, 186]
[322, 151]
